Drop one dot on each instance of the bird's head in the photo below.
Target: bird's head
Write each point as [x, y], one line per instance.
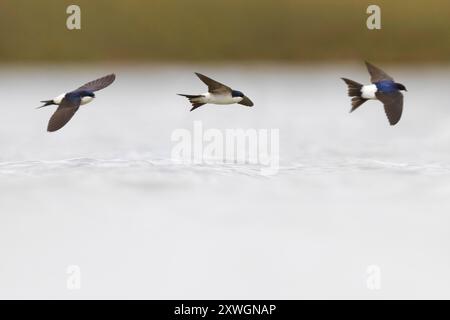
[244, 99]
[236, 94]
[401, 87]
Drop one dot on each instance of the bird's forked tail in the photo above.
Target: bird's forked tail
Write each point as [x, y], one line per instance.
[46, 103]
[195, 100]
[354, 91]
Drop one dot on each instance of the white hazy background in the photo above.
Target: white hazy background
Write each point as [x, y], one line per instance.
[103, 193]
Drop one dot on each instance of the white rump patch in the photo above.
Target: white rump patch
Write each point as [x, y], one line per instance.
[59, 98]
[368, 92]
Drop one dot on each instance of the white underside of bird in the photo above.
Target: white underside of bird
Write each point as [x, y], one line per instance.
[219, 99]
[84, 100]
[368, 92]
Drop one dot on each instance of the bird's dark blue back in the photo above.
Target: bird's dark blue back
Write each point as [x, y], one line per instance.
[78, 94]
[386, 86]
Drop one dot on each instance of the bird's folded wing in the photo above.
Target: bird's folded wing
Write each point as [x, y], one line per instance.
[377, 74]
[246, 102]
[393, 105]
[99, 84]
[63, 114]
[213, 85]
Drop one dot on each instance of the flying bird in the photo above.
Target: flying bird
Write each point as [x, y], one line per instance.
[383, 88]
[69, 103]
[218, 93]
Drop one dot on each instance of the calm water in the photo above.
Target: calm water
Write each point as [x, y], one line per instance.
[104, 194]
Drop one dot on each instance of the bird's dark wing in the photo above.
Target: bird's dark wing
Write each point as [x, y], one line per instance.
[393, 105]
[377, 74]
[63, 114]
[99, 83]
[246, 102]
[214, 86]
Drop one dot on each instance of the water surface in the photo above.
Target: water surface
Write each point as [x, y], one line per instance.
[104, 194]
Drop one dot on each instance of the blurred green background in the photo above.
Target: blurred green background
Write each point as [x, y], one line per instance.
[224, 30]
